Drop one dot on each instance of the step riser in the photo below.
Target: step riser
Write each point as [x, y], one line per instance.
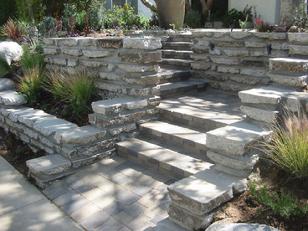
[176, 63]
[194, 149]
[179, 92]
[289, 67]
[181, 76]
[179, 47]
[180, 39]
[176, 55]
[152, 163]
[199, 124]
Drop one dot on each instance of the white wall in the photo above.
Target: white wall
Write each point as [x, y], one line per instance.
[269, 10]
[143, 10]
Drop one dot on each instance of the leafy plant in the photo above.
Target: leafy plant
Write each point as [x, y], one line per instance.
[13, 30]
[261, 25]
[234, 17]
[289, 146]
[124, 17]
[31, 84]
[193, 19]
[47, 27]
[282, 204]
[31, 58]
[299, 17]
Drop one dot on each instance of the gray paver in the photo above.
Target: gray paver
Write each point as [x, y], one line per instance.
[23, 207]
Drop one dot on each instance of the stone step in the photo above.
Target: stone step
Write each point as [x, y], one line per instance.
[197, 112]
[289, 79]
[183, 37]
[177, 62]
[194, 199]
[170, 74]
[12, 98]
[290, 65]
[164, 160]
[188, 140]
[111, 106]
[6, 84]
[176, 88]
[236, 139]
[48, 168]
[184, 46]
[176, 54]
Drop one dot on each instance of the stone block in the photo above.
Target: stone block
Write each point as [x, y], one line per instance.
[146, 43]
[228, 69]
[113, 106]
[81, 135]
[298, 38]
[34, 116]
[138, 68]
[253, 71]
[12, 98]
[6, 84]
[298, 50]
[242, 52]
[225, 60]
[289, 80]
[201, 65]
[293, 65]
[236, 139]
[48, 165]
[262, 95]
[16, 113]
[92, 63]
[110, 42]
[95, 53]
[70, 42]
[187, 219]
[48, 126]
[71, 52]
[50, 50]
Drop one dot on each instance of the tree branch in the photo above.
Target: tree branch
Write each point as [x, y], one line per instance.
[149, 5]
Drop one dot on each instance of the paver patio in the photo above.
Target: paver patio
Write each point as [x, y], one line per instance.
[115, 194]
[23, 207]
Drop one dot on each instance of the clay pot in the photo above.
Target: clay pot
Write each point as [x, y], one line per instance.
[171, 12]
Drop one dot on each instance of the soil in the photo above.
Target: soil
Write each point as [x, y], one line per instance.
[16, 152]
[245, 208]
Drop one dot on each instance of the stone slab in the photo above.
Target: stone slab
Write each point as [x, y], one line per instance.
[48, 165]
[6, 84]
[239, 227]
[80, 135]
[235, 139]
[261, 115]
[12, 98]
[146, 43]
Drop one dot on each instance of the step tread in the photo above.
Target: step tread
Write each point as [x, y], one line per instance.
[168, 157]
[178, 131]
[205, 191]
[177, 60]
[226, 111]
[177, 51]
[181, 84]
[289, 60]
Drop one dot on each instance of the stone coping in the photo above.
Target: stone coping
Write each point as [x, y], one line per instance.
[113, 42]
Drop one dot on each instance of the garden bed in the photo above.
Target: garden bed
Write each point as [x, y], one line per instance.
[247, 209]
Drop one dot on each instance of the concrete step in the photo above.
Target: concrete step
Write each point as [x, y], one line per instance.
[176, 54]
[289, 65]
[188, 140]
[236, 139]
[194, 199]
[289, 79]
[164, 160]
[184, 46]
[177, 62]
[176, 88]
[199, 112]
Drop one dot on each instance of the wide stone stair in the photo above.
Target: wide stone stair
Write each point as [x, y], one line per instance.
[201, 140]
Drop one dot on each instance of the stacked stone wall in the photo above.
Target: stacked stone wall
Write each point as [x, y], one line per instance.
[236, 60]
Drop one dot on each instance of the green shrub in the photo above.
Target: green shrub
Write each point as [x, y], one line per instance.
[282, 204]
[47, 27]
[234, 17]
[193, 19]
[31, 84]
[124, 17]
[31, 58]
[81, 89]
[289, 146]
[77, 91]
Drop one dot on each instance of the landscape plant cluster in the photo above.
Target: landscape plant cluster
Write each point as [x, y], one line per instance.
[61, 94]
